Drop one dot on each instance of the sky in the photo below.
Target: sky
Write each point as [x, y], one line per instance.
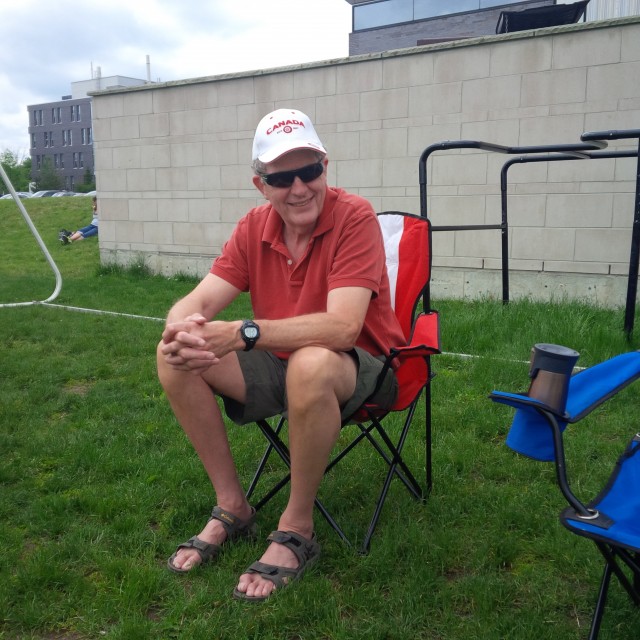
[47, 46]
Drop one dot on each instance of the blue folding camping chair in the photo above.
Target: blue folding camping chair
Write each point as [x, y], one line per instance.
[612, 519]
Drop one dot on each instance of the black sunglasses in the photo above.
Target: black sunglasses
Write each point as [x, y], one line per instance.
[284, 179]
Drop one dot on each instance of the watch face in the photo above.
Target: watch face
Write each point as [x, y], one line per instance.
[250, 332]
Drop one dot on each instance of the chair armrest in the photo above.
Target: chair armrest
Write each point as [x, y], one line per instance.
[425, 337]
[588, 389]
[530, 434]
[521, 401]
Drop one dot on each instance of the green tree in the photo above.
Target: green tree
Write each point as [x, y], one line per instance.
[18, 171]
[89, 183]
[49, 176]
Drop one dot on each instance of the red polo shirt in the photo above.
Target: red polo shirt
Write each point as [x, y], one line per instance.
[345, 250]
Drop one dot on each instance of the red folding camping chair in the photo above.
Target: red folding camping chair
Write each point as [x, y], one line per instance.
[407, 240]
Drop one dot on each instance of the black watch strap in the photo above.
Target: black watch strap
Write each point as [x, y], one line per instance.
[249, 332]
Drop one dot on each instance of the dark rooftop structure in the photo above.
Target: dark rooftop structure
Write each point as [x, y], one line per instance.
[540, 17]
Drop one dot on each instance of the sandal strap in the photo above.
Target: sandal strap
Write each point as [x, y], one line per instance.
[280, 576]
[232, 524]
[206, 550]
[303, 548]
[307, 552]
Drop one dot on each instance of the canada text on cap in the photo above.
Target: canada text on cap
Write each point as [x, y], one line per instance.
[282, 131]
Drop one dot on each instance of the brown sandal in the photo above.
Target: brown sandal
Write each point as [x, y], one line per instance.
[307, 551]
[208, 552]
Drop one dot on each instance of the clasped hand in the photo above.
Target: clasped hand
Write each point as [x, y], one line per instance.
[195, 344]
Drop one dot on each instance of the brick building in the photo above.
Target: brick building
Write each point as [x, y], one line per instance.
[61, 132]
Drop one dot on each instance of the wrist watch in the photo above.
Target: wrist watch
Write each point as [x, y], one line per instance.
[249, 332]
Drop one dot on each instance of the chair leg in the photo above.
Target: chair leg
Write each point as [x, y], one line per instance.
[392, 456]
[612, 567]
[263, 461]
[601, 602]
[410, 482]
[611, 554]
[428, 438]
[276, 444]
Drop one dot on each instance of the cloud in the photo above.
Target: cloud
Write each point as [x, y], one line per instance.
[44, 51]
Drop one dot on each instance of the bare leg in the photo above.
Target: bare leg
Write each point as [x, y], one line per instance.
[196, 409]
[318, 382]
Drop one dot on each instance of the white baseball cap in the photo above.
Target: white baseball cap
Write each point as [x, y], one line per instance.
[282, 131]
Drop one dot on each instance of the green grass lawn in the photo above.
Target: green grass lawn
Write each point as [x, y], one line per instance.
[98, 483]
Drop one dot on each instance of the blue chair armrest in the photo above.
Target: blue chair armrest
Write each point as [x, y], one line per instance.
[522, 401]
[530, 433]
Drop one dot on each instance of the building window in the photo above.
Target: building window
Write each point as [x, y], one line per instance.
[56, 115]
[38, 162]
[81, 159]
[56, 160]
[89, 140]
[33, 140]
[37, 117]
[75, 160]
[46, 138]
[75, 113]
[387, 12]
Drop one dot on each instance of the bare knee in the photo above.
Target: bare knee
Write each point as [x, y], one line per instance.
[311, 367]
[320, 376]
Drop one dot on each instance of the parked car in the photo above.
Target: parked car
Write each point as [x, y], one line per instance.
[44, 194]
[90, 193]
[20, 194]
[62, 194]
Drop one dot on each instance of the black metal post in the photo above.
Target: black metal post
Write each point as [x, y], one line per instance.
[634, 258]
[590, 155]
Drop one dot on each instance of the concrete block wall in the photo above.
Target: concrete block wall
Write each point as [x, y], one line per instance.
[173, 176]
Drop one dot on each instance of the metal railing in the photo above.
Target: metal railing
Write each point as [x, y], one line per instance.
[589, 149]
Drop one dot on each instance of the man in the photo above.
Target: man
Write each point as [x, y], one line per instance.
[313, 261]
